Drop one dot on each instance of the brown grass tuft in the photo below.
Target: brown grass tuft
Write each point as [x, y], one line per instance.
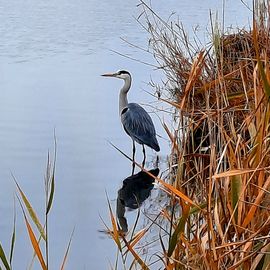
[221, 148]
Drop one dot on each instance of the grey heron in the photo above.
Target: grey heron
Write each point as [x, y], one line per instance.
[135, 120]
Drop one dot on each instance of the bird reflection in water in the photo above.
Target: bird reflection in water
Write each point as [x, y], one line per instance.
[135, 190]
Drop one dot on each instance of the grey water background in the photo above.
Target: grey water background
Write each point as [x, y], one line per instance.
[51, 56]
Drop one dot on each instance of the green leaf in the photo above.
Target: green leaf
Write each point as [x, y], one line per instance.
[52, 182]
[181, 226]
[195, 210]
[13, 238]
[51, 195]
[4, 258]
[174, 239]
[31, 211]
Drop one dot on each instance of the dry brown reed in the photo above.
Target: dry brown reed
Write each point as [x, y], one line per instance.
[221, 149]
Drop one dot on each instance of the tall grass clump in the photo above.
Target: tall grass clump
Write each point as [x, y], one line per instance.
[38, 231]
[218, 215]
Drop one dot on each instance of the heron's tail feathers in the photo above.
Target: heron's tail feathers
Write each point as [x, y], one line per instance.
[154, 145]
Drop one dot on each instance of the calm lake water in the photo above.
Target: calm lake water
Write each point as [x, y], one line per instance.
[52, 53]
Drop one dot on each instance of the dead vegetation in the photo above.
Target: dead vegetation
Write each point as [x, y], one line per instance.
[220, 162]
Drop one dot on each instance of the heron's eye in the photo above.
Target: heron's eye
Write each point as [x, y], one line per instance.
[124, 110]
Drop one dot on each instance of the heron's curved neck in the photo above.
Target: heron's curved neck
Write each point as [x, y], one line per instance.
[123, 101]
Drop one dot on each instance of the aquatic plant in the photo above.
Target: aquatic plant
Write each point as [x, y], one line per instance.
[38, 233]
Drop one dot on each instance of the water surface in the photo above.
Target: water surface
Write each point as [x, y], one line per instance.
[52, 53]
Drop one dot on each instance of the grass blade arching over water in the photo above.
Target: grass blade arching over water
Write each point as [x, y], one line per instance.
[30, 210]
[13, 237]
[4, 258]
[67, 251]
[33, 239]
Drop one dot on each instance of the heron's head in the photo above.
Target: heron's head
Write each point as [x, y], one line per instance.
[121, 74]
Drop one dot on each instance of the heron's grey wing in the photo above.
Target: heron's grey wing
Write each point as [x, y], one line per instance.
[139, 125]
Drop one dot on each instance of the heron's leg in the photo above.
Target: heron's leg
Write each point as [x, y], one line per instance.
[133, 157]
[143, 163]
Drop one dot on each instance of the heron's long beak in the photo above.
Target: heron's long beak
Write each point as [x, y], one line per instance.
[109, 75]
